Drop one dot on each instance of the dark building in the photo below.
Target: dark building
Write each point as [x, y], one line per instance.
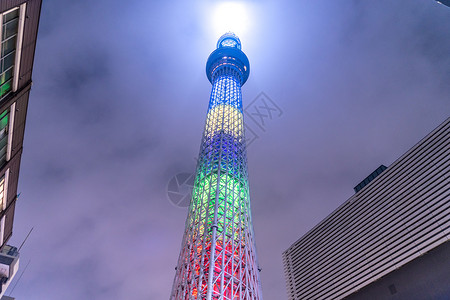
[445, 2]
[19, 20]
[390, 240]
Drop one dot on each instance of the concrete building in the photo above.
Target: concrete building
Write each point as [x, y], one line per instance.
[19, 21]
[388, 241]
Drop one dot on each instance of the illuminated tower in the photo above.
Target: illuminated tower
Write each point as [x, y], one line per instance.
[218, 255]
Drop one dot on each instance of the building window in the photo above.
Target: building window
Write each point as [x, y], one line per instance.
[3, 200]
[4, 122]
[2, 192]
[9, 34]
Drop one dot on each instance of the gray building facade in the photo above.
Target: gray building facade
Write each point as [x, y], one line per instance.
[390, 240]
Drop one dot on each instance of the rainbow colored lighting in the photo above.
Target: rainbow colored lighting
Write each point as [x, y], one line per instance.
[218, 254]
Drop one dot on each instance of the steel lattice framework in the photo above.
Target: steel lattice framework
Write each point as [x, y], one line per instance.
[218, 254]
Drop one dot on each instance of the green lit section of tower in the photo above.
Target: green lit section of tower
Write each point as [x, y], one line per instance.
[218, 254]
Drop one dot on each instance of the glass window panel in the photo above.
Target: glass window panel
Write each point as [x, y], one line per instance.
[10, 28]
[2, 156]
[5, 88]
[3, 142]
[11, 15]
[8, 61]
[4, 119]
[9, 45]
[3, 135]
[5, 76]
[4, 114]
[3, 132]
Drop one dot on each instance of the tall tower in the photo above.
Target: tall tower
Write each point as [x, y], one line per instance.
[218, 254]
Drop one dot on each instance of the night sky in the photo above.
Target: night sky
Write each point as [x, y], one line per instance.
[118, 107]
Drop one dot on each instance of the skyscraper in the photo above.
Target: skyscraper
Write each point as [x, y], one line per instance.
[19, 20]
[218, 254]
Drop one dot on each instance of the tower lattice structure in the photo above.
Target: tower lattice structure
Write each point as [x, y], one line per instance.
[218, 254]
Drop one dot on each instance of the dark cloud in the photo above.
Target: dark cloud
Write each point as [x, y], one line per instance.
[118, 105]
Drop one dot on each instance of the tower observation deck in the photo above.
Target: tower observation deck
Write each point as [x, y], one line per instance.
[218, 254]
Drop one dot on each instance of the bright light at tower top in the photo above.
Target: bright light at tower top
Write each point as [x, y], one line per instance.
[229, 39]
[231, 16]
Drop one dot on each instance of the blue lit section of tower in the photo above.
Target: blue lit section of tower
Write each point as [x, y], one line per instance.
[218, 254]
